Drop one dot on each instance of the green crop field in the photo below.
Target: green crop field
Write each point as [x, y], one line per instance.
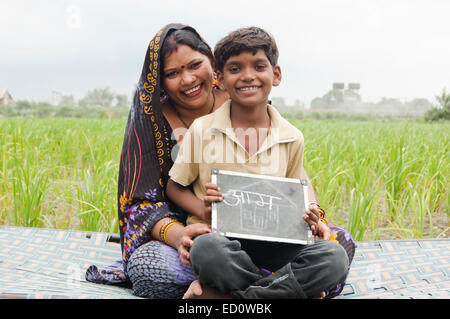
[378, 180]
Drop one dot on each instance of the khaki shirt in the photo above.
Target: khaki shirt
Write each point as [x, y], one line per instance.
[211, 143]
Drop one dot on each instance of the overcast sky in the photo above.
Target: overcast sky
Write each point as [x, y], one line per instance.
[393, 48]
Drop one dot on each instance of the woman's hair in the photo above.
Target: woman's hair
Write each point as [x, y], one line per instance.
[187, 37]
[249, 39]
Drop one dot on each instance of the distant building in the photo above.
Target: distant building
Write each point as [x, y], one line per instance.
[338, 85]
[354, 86]
[5, 97]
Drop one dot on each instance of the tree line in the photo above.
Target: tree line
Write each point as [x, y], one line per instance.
[335, 104]
[96, 103]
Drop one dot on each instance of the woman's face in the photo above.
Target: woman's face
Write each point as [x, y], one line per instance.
[188, 77]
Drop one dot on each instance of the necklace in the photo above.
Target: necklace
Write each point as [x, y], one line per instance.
[179, 115]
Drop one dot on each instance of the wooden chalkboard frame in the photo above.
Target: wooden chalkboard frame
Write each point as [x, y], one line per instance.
[304, 235]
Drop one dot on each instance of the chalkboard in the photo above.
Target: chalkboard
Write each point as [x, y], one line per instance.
[261, 207]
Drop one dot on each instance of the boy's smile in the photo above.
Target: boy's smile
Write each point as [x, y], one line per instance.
[248, 78]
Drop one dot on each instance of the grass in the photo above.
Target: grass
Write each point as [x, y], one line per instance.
[379, 180]
[60, 173]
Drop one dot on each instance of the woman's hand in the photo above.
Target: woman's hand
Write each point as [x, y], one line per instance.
[186, 239]
[319, 229]
[322, 231]
[213, 194]
[312, 216]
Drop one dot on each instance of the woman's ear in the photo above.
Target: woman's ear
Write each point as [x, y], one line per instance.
[211, 60]
[276, 75]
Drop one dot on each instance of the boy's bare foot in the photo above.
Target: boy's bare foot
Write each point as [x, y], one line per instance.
[320, 296]
[196, 291]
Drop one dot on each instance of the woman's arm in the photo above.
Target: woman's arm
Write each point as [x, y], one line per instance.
[179, 236]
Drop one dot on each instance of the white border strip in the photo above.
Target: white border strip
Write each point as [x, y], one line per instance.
[305, 197]
[275, 178]
[213, 205]
[305, 193]
[266, 238]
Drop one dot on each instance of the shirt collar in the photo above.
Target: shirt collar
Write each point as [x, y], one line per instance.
[281, 131]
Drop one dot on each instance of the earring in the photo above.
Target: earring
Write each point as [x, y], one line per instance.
[215, 82]
[162, 95]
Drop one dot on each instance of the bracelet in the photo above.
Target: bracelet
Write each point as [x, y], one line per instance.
[162, 229]
[166, 228]
[323, 221]
[320, 209]
[321, 212]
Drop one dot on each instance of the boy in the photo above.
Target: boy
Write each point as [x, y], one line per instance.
[248, 135]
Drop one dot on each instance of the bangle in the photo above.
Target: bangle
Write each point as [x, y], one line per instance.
[166, 227]
[311, 203]
[321, 212]
[323, 220]
[320, 209]
[161, 231]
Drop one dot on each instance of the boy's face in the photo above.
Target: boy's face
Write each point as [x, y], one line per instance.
[249, 78]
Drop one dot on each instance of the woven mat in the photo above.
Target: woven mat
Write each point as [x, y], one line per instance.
[400, 269]
[50, 263]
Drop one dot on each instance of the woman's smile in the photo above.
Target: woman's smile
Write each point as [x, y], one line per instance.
[193, 91]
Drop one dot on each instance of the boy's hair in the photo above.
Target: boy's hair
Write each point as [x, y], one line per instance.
[250, 39]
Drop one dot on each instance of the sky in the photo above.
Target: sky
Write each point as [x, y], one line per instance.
[393, 48]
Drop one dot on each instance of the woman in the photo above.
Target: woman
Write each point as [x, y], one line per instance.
[176, 86]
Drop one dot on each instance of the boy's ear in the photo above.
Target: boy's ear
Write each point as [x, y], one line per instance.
[276, 75]
[220, 80]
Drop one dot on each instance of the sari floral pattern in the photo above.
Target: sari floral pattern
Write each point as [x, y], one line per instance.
[139, 219]
[343, 237]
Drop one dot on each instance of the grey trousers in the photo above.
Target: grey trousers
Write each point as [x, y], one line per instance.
[299, 271]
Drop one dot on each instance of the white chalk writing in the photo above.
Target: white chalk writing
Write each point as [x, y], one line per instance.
[235, 197]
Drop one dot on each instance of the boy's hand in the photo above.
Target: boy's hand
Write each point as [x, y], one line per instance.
[213, 194]
[186, 239]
